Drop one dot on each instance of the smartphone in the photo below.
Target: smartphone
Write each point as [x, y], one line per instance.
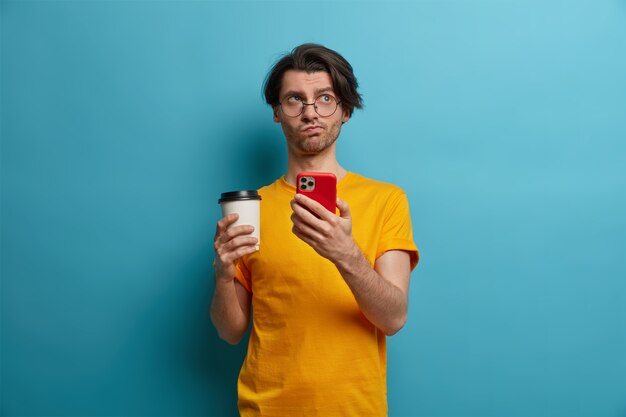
[320, 186]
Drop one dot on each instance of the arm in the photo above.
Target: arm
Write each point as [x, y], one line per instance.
[230, 308]
[382, 291]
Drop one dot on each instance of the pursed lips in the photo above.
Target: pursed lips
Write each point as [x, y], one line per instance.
[313, 128]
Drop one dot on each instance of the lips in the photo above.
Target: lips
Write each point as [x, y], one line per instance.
[312, 129]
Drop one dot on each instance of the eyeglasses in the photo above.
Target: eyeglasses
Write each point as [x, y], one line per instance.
[324, 105]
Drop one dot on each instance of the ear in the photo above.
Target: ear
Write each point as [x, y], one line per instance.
[345, 117]
[276, 117]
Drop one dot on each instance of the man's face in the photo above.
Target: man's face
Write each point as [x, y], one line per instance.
[309, 133]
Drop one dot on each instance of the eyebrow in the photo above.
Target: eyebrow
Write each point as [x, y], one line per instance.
[317, 92]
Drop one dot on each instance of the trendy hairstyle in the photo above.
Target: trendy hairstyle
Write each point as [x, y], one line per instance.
[312, 57]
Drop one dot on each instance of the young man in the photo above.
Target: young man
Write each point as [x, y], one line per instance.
[325, 289]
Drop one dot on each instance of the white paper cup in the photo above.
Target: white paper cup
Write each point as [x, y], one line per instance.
[248, 205]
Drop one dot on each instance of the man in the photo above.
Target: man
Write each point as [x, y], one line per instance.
[325, 289]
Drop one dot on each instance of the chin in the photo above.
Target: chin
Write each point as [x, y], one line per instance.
[315, 148]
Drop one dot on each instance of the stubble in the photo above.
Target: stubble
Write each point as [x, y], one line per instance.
[313, 144]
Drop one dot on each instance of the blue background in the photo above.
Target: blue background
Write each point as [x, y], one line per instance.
[505, 122]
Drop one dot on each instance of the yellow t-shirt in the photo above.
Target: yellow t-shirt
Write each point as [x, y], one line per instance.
[311, 351]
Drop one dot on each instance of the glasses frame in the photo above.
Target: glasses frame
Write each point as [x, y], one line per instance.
[304, 104]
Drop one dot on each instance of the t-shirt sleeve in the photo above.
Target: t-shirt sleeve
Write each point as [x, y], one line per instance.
[242, 274]
[397, 232]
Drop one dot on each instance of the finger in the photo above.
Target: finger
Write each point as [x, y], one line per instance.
[224, 222]
[226, 251]
[307, 233]
[242, 251]
[314, 206]
[236, 243]
[344, 209]
[303, 215]
[233, 232]
[301, 235]
[319, 228]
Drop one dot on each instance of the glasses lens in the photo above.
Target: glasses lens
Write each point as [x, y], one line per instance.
[325, 105]
[291, 107]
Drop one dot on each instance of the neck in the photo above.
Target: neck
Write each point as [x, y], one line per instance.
[322, 162]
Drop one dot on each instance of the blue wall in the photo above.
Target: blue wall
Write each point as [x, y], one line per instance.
[505, 121]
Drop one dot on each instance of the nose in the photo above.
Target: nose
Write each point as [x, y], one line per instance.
[308, 112]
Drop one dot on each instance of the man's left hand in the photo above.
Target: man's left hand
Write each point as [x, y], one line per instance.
[330, 235]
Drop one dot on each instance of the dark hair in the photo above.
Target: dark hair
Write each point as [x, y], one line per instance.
[311, 57]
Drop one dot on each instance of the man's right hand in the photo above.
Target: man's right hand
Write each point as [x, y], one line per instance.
[231, 243]
[230, 308]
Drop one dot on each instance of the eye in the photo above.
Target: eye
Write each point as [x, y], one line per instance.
[326, 98]
[294, 99]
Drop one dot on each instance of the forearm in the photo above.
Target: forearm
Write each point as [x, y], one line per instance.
[382, 302]
[381, 292]
[228, 316]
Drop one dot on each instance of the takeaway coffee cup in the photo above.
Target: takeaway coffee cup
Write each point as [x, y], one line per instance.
[248, 205]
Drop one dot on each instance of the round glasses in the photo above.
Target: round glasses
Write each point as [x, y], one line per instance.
[324, 105]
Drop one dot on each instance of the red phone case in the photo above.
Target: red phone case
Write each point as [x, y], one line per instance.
[325, 191]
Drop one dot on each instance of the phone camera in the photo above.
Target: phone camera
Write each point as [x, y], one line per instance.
[307, 183]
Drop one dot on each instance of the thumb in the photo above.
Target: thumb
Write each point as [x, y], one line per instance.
[344, 209]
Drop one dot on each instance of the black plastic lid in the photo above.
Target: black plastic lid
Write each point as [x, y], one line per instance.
[239, 196]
